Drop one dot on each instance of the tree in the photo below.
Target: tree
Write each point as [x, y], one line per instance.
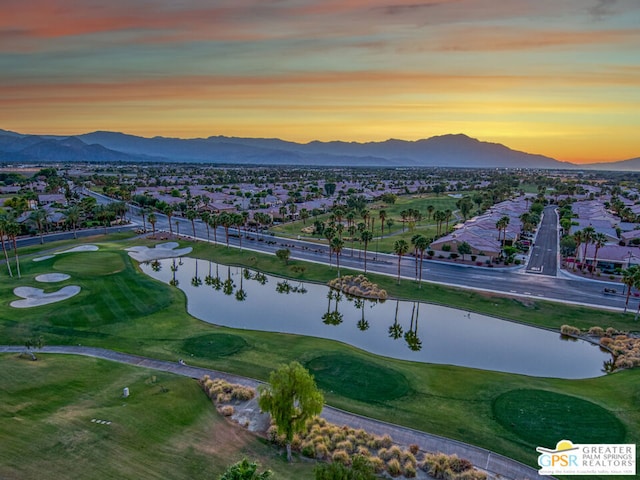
[400, 247]
[4, 225]
[283, 254]
[465, 204]
[39, 217]
[337, 245]
[587, 236]
[191, 216]
[12, 231]
[73, 216]
[382, 214]
[422, 244]
[291, 398]
[464, 249]
[168, 211]
[630, 279]
[152, 220]
[501, 225]
[577, 238]
[244, 470]
[366, 236]
[205, 217]
[360, 469]
[599, 241]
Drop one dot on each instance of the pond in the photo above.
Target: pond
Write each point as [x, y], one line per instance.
[420, 332]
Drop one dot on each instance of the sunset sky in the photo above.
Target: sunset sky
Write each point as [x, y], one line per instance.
[555, 77]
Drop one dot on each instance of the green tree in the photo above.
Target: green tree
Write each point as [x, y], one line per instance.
[73, 217]
[12, 231]
[366, 236]
[422, 244]
[191, 216]
[464, 249]
[4, 225]
[599, 241]
[244, 470]
[361, 469]
[400, 247]
[337, 245]
[39, 217]
[152, 220]
[283, 254]
[630, 277]
[291, 397]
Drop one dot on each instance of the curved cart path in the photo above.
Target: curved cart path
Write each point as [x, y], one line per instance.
[485, 459]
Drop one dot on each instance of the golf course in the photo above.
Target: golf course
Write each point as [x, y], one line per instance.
[49, 408]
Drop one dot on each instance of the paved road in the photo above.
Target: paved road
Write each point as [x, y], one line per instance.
[485, 459]
[543, 259]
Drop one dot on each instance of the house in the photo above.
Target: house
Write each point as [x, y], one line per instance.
[48, 199]
[609, 257]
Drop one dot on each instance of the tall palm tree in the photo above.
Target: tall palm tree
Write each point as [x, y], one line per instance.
[414, 239]
[422, 244]
[599, 241]
[214, 222]
[168, 211]
[329, 233]
[630, 278]
[226, 220]
[191, 216]
[501, 226]
[430, 209]
[73, 217]
[12, 231]
[382, 215]
[205, 217]
[144, 211]
[366, 236]
[337, 245]
[400, 247]
[39, 217]
[587, 235]
[152, 220]
[4, 225]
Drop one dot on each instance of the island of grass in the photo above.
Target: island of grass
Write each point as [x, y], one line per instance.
[358, 286]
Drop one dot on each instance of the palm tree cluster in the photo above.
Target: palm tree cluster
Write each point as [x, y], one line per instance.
[584, 238]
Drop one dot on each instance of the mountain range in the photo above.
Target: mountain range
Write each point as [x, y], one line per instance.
[441, 151]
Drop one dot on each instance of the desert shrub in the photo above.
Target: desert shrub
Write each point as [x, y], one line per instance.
[407, 456]
[450, 467]
[341, 456]
[364, 451]
[308, 449]
[377, 463]
[384, 454]
[472, 475]
[609, 332]
[345, 445]
[459, 465]
[413, 448]
[596, 331]
[394, 468]
[569, 330]
[227, 410]
[606, 341]
[273, 437]
[386, 441]
[395, 452]
[321, 451]
[409, 470]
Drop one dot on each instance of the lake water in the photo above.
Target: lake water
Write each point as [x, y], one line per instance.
[420, 332]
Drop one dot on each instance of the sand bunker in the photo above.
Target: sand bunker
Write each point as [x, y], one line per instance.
[46, 257]
[80, 248]
[34, 297]
[162, 250]
[52, 277]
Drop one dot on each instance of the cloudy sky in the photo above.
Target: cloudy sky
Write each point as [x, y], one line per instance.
[556, 77]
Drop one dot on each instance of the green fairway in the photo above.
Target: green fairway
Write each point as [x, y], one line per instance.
[89, 263]
[356, 378]
[52, 412]
[525, 413]
[128, 311]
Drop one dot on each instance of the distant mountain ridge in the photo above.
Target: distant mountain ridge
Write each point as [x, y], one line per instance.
[457, 150]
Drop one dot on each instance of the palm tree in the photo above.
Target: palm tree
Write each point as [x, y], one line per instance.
[337, 245]
[366, 236]
[39, 217]
[168, 211]
[226, 220]
[502, 225]
[599, 241]
[12, 231]
[422, 244]
[329, 233]
[382, 215]
[205, 217]
[630, 278]
[214, 222]
[73, 216]
[430, 209]
[191, 216]
[400, 247]
[152, 220]
[587, 235]
[414, 239]
[4, 224]
[447, 216]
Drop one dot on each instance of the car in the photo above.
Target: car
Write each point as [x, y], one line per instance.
[610, 291]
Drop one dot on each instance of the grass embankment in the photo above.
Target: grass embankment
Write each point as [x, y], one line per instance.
[121, 309]
[167, 428]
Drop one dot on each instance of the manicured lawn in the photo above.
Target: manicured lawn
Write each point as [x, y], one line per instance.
[167, 428]
[128, 311]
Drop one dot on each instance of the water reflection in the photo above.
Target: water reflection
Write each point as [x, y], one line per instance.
[415, 331]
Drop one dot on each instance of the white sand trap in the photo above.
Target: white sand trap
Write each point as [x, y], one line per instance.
[34, 297]
[80, 248]
[52, 277]
[162, 250]
[46, 257]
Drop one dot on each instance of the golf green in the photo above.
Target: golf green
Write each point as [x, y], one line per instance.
[90, 263]
[357, 379]
[214, 345]
[543, 418]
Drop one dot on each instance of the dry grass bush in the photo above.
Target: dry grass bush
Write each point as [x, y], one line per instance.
[596, 331]
[396, 452]
[413, 448]
[609, 332]
[345, 445]
[394, 468]
[385, 454]
[450, 467]
[569, 330]
[363, 451]
[227, 410]
[408, 457]
[626, 350]
[321, 451]
[358, 286]
[378, 464]
[221, 391]
[385, 441]
[341, 456]
[410, 470]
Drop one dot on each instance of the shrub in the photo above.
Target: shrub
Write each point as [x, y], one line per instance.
[609, 332]
[407, 456]
[227, 410]
[321, 451]
[409, 470]
[341, 456]
[414, 449]
[363, 451]
[394, 468]
[308, 449]
[377, 463]
[395, 452]
[569, 330]
[345, 445]
[596, 331]
[386, 441]
[384, 454]
[459, 465]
